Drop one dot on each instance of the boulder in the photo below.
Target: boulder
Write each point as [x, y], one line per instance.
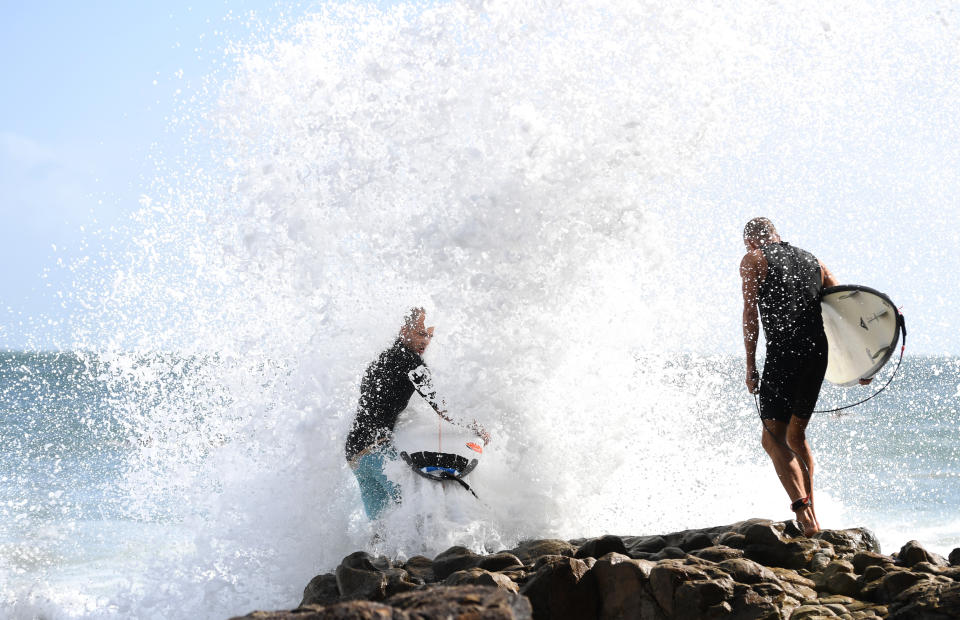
[643, 544]
[850, 541]
[954, 557]
[480, 577]
[797, 553]
[360, 577]
[561, 589]
[913, 553]
[927, 600]
[695, 540]
[351, 610]
[622, 587]
[746, 571]
[667, 577]
[500, 561]
[717, 553]
[599, 547]
[732, 539]
[862, 559]
[530, 550]
[872, 573]
[420, 567]
[322, 590]
[466, 602]
[452, 560]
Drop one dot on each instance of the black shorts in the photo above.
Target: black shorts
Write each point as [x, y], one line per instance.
[792, 374]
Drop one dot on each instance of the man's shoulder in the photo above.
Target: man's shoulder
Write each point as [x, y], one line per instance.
[752, 259]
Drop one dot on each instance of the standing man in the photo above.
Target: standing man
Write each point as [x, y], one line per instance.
[385, 391]
[784, 283]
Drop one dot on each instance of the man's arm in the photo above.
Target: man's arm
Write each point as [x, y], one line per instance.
[750, 272]
[422, 381]
[827, 277]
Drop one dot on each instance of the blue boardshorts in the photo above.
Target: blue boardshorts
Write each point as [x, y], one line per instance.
[376, 490]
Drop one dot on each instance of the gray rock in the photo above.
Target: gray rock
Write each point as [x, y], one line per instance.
[562, 589]
[466, 602]
[599, 547]
[322, 590]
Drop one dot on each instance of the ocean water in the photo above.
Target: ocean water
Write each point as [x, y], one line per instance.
[563, 187]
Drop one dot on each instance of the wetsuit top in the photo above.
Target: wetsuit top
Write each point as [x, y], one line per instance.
[385, 391]
[789, 296]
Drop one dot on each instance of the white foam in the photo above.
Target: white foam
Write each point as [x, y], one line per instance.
[518, 169]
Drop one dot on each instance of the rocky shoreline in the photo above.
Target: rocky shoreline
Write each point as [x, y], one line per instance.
[752, 569]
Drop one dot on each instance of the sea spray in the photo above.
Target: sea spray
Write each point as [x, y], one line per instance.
[529, 174]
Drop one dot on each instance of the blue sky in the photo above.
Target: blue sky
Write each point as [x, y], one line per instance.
[88, 91]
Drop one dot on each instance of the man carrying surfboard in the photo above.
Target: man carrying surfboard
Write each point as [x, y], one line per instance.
[782, 284]
[385, 391]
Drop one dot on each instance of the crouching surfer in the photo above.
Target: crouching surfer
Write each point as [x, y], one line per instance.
[385, 391]
[785, 284]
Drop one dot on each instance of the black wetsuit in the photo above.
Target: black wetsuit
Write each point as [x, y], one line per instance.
[796, 360]
[385, 391]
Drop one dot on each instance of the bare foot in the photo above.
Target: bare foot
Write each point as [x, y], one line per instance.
[808, 521]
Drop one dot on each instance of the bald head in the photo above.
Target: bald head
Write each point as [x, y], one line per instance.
[760, 231]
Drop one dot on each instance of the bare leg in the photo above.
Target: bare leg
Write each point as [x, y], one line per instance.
[797, 441]
[789, 471]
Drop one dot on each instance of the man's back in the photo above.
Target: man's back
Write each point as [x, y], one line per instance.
[789, 295]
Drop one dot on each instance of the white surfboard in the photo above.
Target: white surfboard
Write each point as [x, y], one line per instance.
[862, 327]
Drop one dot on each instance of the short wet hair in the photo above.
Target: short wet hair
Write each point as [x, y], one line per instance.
[760, 229]
[413, 317]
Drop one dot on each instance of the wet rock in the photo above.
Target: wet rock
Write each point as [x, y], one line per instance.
[695, 540]
[669, 553]
[420, 567]
[667, 577]
[529, 551]
[462, 602]
[954, 557]
[872, 573]
[696, 599]
[891, 585]
[717, 553]
[787, 554]
[928, 600]
[322, 590]
[480, 577]
[622, 587]
[398, 580]
[734, 540]
[563, 589]
[599, 547]
[913, 553]
[360, 576]
[850, 541]
[452, 560]
[352, 610]
[762, 534]
[804, 612]
[500, 561]
[643, 544]
[863, 559]
[747, 571]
